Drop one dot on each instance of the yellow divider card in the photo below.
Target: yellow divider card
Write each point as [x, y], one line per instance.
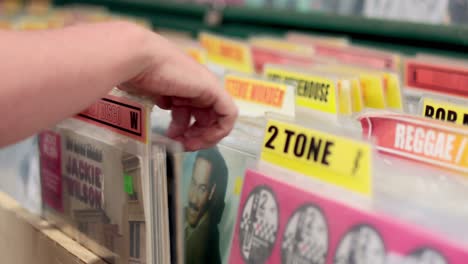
[371, 84]
[373, 91]
[333, 159]
[445, 111]
[312, 91]
[232, 54]
[356, 96]
[393, 90]
[344, 97]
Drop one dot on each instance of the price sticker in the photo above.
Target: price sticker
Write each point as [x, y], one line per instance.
[336, 160]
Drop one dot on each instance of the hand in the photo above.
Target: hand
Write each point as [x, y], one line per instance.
[178, 83]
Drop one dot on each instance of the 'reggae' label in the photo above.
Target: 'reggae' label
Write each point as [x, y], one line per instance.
[416, 138]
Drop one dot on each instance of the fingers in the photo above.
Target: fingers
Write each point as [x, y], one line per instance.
[179, 123]
[207, 130]
[177, 82]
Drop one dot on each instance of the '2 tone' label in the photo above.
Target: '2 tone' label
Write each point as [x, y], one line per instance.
[337, 160]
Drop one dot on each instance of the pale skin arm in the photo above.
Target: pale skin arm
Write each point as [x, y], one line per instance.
[47, 76]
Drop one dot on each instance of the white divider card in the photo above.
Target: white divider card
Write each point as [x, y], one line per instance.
[256, 97]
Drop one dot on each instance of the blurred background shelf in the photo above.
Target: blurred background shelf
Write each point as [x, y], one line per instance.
[238, 21]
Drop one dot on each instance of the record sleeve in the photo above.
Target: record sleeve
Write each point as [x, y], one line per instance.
[212, 182]
[286, 219]
[96, 175]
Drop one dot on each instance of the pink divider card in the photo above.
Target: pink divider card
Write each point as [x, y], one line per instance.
[280, 223]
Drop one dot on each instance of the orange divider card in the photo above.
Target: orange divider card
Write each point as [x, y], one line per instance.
[256, 97]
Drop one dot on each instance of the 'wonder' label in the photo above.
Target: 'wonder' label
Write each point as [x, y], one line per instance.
[445, 111]
[312, 91]
[232, 54]
[419, 139]
[337, 160]
[256, 97]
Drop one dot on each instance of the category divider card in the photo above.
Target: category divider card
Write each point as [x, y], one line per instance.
[371, 83]
[256, 97]
[312, 91]
[282, 222]
[340, 161]
[432, 142]
[433, 76]
[229, 53]
[444, 110]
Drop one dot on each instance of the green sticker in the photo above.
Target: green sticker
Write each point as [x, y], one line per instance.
[128, 184]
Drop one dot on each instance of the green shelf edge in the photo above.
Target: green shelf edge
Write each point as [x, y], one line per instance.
[405, 37]
[454, 35]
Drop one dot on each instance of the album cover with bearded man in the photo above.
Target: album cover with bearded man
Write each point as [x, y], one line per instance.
[212, 184]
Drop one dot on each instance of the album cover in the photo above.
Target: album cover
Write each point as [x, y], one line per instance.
[285, 221]
[93, 191]
[211, 183]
